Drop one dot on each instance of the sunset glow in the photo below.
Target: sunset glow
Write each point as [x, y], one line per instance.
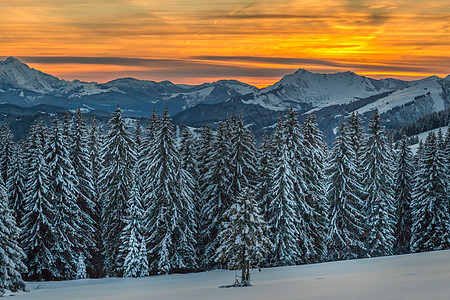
[252, 41]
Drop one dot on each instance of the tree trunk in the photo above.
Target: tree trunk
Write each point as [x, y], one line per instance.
[243, 265]
[248, 272]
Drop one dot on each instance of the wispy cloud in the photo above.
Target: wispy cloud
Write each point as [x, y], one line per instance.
[251, 40]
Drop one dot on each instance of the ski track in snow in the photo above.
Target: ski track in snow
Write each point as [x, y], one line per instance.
[412, 276]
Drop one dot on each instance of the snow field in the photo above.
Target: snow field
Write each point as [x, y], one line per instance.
[411, 276]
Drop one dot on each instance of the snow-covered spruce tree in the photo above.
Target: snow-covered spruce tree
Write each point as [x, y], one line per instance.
[204, 157]
[67, 221]
[132, 238]
[95, 146]
[6, 151]
[16, 183]
[447, 162]
[96, 166]
[81, 267]
[357, 139]
[243, 157]
[139, 149]
[306, 228]
[272, 145]
[243, 242]
[67, 128]
[189, 163]
[346, 221]
[86, 201]
[315, 154]
[118, 158]
[171, 213]
[147, 140]
[403, 176]
[187, 245]
[440, 140]
[283, 213]
[37, 226]
[418, 155]
[378, 180]
[356, 136]
[216, 198]
[265, 167]
[429, 206]
[11, 255]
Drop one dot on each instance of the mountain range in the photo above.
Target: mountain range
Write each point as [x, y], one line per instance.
[329, 96]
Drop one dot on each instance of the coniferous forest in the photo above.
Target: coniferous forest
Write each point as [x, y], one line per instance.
[77, 201]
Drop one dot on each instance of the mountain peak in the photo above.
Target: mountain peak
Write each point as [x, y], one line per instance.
[12, 60]
[301, 71]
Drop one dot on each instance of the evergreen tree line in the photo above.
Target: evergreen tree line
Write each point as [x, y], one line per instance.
[425, 123]
[78, 203]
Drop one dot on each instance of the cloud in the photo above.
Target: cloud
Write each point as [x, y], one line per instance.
[387, 66]
[164, 39]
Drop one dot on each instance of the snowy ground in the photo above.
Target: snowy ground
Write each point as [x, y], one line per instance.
[414, 276]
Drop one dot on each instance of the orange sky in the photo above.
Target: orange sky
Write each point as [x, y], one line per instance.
[192, 41]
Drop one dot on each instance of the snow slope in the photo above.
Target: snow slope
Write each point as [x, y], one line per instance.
[422, 136]
[413, 276]
[401, 97]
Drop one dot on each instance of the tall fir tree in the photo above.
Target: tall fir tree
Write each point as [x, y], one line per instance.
[315, 153]
[307, 233]
[243, 156]
[171, 214]
[430, 216]
[265, 167]
[216, 198]
[37, 226]
[147, 141]
[116, 180]
[96, 168]
[6, 151]
[403, 176]
[357, 140]
[16, 183]
[378, 181]
[132, 238]
[282, 211]
[63, 192]
[243, 242]
[447, 162]
[80, 156]
[67, 128]
[345, 234]
[11, 255]
[189, 163]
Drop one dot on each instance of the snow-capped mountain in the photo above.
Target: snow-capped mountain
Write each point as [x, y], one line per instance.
[22, 85]
[304, 90]
[17, 75]
[330, 96]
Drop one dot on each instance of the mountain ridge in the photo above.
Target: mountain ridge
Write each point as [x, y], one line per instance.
[330, 96]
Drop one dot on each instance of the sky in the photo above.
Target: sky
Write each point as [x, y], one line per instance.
[195, 41]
